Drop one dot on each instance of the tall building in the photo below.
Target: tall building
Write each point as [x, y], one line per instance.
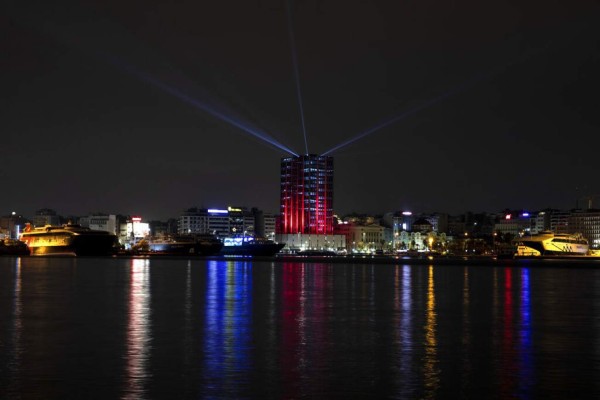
[306, 195]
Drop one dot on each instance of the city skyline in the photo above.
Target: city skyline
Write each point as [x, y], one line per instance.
[150, 110]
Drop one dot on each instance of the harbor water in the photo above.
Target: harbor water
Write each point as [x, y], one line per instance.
[127, 328]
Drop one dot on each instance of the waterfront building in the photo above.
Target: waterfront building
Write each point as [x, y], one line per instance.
[514, 223]
[45, 216]
[438, 221]
[422, 225]
[559, 221]
[306, 204]
[100, 222]
[226, 222]
[132, 230]
[11, 225]
[540, 221]
[306, 197]
[588, 224]
[360, 238]
[303, 242]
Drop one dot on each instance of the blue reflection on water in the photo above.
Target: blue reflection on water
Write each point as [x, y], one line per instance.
[227, 336]
[525, 351]
[406, 337]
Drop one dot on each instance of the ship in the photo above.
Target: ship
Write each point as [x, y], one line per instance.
[250, 246]
[549, 243]
[180, 245]
[69, 239]
[12, 247]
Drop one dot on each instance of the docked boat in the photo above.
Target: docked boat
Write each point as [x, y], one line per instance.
[549, 243]
[69, 239]
[12, 247]
[250, 246]
[198, 244]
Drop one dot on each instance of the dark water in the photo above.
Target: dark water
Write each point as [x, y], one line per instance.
[161, 329]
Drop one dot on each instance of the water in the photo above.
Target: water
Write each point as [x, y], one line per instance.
[104, 328]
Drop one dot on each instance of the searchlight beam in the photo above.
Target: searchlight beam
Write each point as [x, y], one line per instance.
[296, 73]
[204, 107]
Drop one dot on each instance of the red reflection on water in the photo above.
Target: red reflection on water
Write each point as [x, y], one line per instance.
[304, 310]
[508, 365]
[293, 322]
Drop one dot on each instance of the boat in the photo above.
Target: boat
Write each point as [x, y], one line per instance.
[69, 239]
[12, 247]
[250, 246]
[550, 243]
[196, 244]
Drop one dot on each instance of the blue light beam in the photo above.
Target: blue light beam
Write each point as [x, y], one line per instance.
[196, 103]
[459, 88]
[296, 73]
[405, 114]
[395, 119]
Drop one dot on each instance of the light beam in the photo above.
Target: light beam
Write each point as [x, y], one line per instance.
[146, 77]
[405, 114]
[459, 88]
[296, 73]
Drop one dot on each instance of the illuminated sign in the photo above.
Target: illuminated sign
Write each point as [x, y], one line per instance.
[508, 216]
[406, 213]
[136, 219]
[217, 211]
[234, 209]
[525, 214]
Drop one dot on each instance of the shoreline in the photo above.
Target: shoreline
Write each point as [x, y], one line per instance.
[517, 261]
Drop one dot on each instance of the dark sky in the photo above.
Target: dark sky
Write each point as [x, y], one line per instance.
[504, 99]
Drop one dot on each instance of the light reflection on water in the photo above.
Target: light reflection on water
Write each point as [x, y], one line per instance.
[240, 329]
[227, 335]
[139, 334]
[15, 347]
[430, 363]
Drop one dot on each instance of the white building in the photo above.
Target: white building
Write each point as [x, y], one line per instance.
[100, 222]
[226, 222]
[295, 242]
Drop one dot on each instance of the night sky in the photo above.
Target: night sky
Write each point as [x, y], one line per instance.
[121, 106]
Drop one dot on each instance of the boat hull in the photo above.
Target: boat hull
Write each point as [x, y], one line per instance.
[253, 249]
[184, 248]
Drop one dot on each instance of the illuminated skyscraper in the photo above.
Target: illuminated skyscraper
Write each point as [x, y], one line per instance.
[306, 195]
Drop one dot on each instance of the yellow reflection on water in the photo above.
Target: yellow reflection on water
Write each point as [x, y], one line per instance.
[17, 330]
[430, 367]
[138, 328]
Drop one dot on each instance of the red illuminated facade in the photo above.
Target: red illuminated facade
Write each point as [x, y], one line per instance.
[306, 195]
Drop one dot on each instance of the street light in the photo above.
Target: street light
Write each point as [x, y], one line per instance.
[11, 222]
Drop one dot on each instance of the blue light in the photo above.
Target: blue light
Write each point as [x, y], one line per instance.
[457, 89]
[216, 211]
[196, 103]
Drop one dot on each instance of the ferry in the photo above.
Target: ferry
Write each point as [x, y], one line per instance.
[250, 246]
[549, 243]
[69, 239]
